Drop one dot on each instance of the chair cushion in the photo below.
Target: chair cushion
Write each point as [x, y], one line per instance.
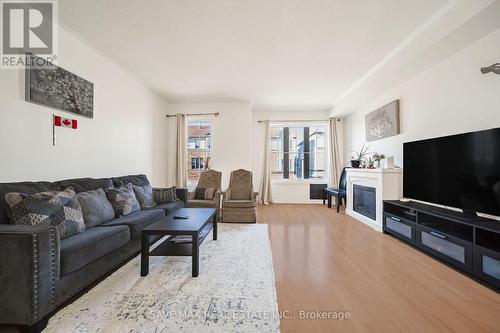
[59, 209]
[201, 203]
[169, 207]
[136, 221]
[83, 248]
[241, 185]
[96, 207]
[239, 203]
[123, 200]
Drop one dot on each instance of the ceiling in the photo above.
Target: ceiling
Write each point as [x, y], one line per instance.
[268, 52]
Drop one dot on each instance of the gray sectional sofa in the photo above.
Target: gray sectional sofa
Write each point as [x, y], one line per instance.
[39, 271]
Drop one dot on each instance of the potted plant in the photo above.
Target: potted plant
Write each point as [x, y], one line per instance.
[378, 158]
[359, 157]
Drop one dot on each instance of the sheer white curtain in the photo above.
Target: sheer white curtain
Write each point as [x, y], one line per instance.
[335, 145]
[265, 184]
[180, 172]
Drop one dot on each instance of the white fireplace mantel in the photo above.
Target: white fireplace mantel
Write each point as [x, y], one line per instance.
[388, 184]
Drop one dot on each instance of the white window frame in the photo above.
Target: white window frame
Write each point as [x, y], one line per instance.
[298, 181]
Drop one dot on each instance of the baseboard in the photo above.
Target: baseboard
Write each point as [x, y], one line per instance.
[364, 220]
[314, 202]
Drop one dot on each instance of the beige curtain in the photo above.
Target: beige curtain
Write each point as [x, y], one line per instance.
[181, 165]
[335, 144]
[265, 184]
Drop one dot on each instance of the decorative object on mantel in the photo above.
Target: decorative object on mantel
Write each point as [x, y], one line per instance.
[495, 68]
[369, 163]
[54, 87]
[58, 121]
[359, 158]
[383, 122]
[389, 162]
[378, 158]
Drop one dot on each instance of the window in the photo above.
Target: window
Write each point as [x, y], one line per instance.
[298, 152]
[199, 148]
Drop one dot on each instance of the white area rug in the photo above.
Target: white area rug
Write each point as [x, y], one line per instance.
[234, 292]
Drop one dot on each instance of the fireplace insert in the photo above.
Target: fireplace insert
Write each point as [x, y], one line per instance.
[364, 201]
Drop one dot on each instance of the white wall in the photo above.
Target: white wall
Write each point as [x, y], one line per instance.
[291, 192]
[451, 97]
[231, 136]
[126, 136]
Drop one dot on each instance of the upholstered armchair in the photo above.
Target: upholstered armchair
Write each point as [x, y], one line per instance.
[208, 191]
[239, 203]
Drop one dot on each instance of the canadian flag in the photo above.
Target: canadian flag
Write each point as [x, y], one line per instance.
[65, 122]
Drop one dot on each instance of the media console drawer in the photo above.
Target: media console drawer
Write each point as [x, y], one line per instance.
[487, 265]
[400, 228]
[450, 249]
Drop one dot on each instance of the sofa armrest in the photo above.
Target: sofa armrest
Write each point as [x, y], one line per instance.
[29, 271]
[182, 194]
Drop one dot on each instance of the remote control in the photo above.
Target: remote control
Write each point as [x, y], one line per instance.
[181, 217]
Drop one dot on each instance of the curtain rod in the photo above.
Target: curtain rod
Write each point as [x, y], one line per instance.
[296, 121]
[215, 114]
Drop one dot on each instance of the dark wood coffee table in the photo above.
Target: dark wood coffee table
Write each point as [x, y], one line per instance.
[198, 226]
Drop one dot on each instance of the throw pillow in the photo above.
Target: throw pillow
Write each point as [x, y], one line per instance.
[96, 207]
[163, 195]
[144, 195]
[200, 194]
[59, 209]
[210, 193]
[123, 199]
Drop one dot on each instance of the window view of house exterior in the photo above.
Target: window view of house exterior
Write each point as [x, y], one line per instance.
[298, 152]
[199, 148]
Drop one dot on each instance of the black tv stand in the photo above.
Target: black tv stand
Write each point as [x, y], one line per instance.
[469, 243]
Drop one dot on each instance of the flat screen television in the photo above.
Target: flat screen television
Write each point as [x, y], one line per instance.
[461, 171]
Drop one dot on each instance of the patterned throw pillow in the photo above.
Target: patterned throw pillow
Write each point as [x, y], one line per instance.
[144, 195]
[123, 199]
[200, 193]
[210, 193]
[163, 195]
[60, 209]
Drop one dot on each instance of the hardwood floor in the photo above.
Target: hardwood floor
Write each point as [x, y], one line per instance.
[330, 262]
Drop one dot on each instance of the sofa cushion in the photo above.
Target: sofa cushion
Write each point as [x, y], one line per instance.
[201, 203]
[96, 207]
[123, 200]
[169, 207]
[239, 203]
[85, 184]
[23, 187]
[137, 180]
[144, 195]
[90, 245]
[59, 209]
[136, 221]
